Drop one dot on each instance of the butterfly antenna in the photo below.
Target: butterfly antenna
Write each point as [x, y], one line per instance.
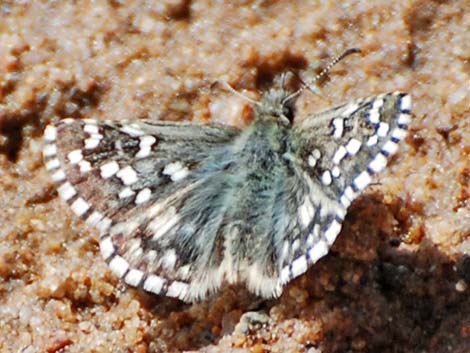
[232, 90]
[323, 72]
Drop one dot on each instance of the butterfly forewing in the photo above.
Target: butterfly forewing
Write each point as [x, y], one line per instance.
[343, 147]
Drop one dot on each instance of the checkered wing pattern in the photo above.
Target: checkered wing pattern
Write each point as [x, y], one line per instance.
[336, 153]
[183, 208]
[143, 185]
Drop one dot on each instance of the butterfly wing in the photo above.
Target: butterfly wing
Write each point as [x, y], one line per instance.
[154, 205]
[335, 154]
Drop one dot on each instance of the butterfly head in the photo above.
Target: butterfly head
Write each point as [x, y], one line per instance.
[276, 103]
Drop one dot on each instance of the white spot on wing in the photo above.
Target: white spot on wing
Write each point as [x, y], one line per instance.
[374, 115]
[332, 232]
[180, 175]
[59, 176]
[91, 128]
[362, 180]
[127, 175]
[326, 177]
[378, 163]
[299, 266]
[404, 119]
[344, 201]
[143, 152]
[175, 171]
[390, 147]
[339, 154]
[109, 169]
[52, 164]
[399, 134]
[92, 142]
[119, 266]
[66, 191]
[335, 172]
[172, 168]
[49, 150]
[382, 131]
[80, 206]
[134, 277]
[85, 166]
[338, 124]
[350, 194]
[145, 145]
[126, 192]
[94, 218]
[154, 284]
[313, 157]
[341, 213]
[50, 133]
[311, 161]
[75, 156]
[372, 141]
[353, 146]
[143, 196]
[177, 290]
[147, 140]
[318, 251]
[106, 247]
[406, 102]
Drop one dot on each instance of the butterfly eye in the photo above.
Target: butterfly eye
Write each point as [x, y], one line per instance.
[288, 111]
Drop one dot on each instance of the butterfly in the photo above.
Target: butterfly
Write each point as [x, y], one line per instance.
[182, 209]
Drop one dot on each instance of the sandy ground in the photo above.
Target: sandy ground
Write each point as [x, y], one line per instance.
[396, 279]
